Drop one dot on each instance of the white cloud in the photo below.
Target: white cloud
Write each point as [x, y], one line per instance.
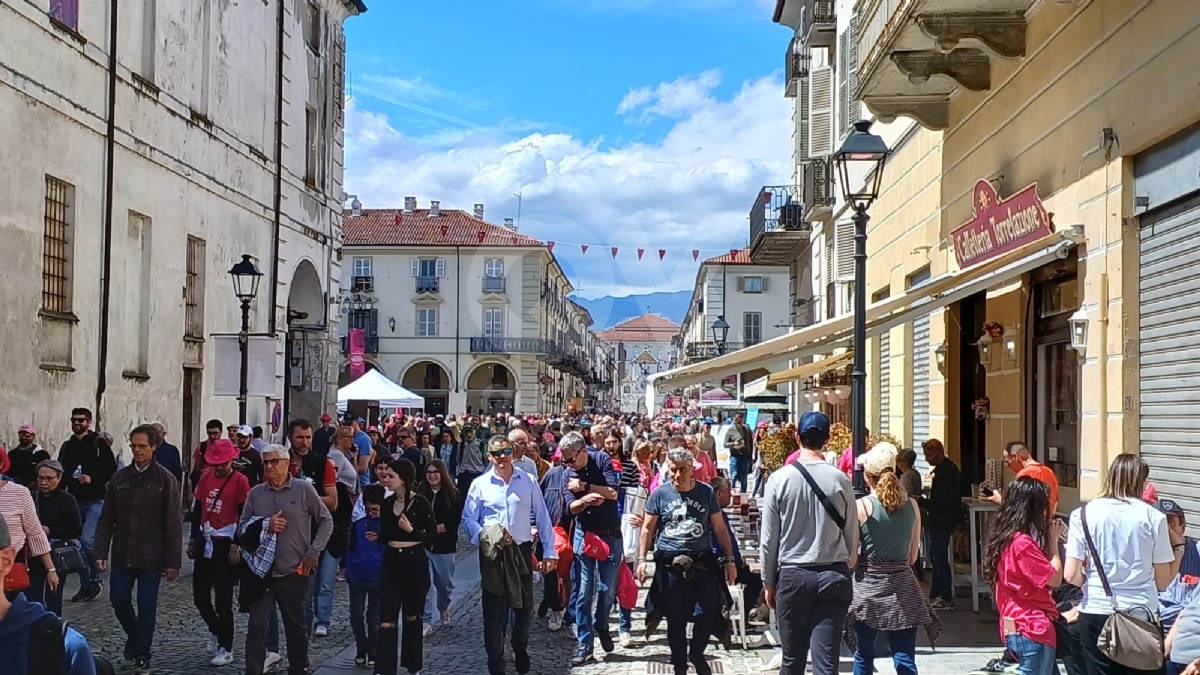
[691, 190]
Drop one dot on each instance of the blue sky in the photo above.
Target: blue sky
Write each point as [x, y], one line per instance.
[622, 122]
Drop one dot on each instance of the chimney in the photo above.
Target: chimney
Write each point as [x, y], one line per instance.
[410, 204]
[356, 207]
[435, 209]
[508, 222]
[479, 211]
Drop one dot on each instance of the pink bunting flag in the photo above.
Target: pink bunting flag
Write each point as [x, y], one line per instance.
[662, 253]
[399, 218]
[695, 254]
[584, 248]
[445, 229]
[614, 252]
[640, 252]
[515, 240]
[481, 234]
[550, 245]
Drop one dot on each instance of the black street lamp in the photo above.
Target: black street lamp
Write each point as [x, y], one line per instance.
[245, 286]
[720, 330]
[862, 155]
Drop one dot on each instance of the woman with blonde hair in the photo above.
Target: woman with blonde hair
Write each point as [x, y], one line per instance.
[887, 597]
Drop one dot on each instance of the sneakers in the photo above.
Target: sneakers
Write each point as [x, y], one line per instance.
[370, 660]
[626, 640]
[582, 657]
[142, 667]
[521, 662]
[88, 593]
[360, 661]
[211, 646]
[940, 604]
[429, 629]
[321, 631]
[555, 622]
[222, 658]
[273, 661]
[128, 651]
[606, 641]
[574, 631]
[445, 619]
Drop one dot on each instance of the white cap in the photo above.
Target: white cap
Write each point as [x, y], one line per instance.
[246, 431]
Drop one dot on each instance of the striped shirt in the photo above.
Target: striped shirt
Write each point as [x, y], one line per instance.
[20, 515]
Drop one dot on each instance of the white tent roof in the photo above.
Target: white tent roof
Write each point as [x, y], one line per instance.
[373, 386]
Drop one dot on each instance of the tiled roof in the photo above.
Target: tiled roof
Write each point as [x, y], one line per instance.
[644, 328]
[741, 257]
[394, 227]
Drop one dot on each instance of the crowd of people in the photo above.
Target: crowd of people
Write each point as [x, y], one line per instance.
[596, 508]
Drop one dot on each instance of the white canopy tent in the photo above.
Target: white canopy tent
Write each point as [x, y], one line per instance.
[373, 386]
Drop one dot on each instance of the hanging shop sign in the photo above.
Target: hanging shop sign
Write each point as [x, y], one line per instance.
[1000, 225]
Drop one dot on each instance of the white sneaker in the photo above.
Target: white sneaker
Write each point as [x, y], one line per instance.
[429, 629]
[273, 661]
[223, 658]
[321, 631]
[575, 631]
[446, 623]
[626, 640]
[555, 622]
[211, 646]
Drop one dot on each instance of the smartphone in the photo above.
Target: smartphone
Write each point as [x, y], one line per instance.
[986, 491]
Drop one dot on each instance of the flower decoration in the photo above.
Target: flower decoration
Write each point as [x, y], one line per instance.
[994, 330]
[840, 438]
[777, 444]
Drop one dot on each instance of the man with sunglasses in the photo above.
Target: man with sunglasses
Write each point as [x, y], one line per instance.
[88, 465]
[511, 500]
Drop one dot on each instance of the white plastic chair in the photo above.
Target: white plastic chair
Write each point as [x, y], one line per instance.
[737, 615]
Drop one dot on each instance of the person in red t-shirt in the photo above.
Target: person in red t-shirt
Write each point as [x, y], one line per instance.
[1018, 458]
[199, 464]
[220, 494]
[1023, 565]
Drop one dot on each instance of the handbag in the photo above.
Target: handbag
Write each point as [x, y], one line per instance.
[17, 578]
[627, 588]
[594, 547]
[67, 558]
[1126, 637]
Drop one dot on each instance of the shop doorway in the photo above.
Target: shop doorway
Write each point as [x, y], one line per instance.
[1054, 417]
[972, 440]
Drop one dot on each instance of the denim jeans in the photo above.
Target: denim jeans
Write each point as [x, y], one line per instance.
[903, 644]
[739, 469]
[1034, 658]
[272, 639]
[691, 600]
[811, 605]
[288, 594]
[320, 606]
[942, 584]
[497, 611]
[625, 616]
[39, 589]
[597, 589]
[139, 625]
[364, 604]
[89, 515]
[215, 577]
[441, 573]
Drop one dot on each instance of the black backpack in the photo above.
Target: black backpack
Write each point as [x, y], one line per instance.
[46, 646]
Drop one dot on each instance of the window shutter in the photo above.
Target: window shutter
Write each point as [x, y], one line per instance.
[844, 253]
[373, 323]
[803, 124]
[855, 109]
[829, 259]
[741, 283]
[416, 267]
[820, 112]
[440, 266]
[765, 284]
[339, 78]
[842, 75]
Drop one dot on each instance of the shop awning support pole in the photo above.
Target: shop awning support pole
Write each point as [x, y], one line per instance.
[858, 421]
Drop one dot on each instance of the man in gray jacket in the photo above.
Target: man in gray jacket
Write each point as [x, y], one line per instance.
[287, 508]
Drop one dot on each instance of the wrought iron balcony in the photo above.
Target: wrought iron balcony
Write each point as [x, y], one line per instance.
[495, 345]
[371, 345]
[795, 66]
[427, 284]
[819, 195]
[778, 227]
[494, 284]
[703, 351]
[363, 284]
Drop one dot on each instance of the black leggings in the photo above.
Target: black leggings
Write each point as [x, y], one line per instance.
[403, 587]
[215, 576]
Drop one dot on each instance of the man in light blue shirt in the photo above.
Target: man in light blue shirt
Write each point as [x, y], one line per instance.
[512, 499]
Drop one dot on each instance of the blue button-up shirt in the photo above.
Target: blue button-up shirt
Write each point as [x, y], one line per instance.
[514, 505]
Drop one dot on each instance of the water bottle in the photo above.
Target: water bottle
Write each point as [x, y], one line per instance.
[78, 472]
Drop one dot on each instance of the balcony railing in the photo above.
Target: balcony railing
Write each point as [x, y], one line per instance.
[371, 345]
[818, 187]
[497, 345]
[795, 66]
[494, 284]
[820, 23]
[778, 207]
[703, 351]
[363, 284]
[427, 284]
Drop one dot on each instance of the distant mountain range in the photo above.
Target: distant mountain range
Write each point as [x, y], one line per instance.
[609, 311]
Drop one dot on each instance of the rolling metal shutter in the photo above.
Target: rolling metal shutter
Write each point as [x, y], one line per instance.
[885, 382]
[1169, 370]
[920, 389]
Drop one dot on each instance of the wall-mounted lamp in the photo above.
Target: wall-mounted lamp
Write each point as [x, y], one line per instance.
[940, 355]
[1079, 332]
[392, 323]
[842, 392]
[985, 351]
[1010, 348]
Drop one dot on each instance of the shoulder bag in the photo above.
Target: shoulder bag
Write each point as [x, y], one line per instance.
[64, 553]
[838, 518]
[1127, 638]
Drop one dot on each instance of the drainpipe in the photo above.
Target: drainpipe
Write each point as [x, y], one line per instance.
[277, 207]
[1103, 356]
[106, 249]
[457, 313]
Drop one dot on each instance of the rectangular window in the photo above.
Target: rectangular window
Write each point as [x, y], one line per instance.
[365, 319]
[58, 244]
[493, 322]
[426, 322]
[752, 284]
[193, 289]
[362, 267]
[310, 139]
[752, 328]
[65, 12]
[138, 287]
[493, 268]
[313, 35]
[428, 268]
[149, 30]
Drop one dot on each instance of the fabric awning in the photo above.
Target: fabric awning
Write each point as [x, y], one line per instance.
[824, 337]
[803, 372]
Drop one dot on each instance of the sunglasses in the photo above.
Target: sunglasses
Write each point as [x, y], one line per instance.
[79, 420]
[505, 452]
[273, 462]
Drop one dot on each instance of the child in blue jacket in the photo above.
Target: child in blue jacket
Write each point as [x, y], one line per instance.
[364, 557]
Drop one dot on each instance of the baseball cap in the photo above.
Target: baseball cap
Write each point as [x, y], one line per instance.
[325, 417]
[880, 458]
[1171, 507]
[814, 420]
[245, 430]
[27, 428]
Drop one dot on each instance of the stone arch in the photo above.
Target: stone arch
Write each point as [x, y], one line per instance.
[344, 371]
[429, 378]
[491, 390]
[307, 343]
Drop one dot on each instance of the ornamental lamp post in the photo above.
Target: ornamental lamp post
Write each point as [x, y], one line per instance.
[720, 331]
[245, 286]
[862, 156]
